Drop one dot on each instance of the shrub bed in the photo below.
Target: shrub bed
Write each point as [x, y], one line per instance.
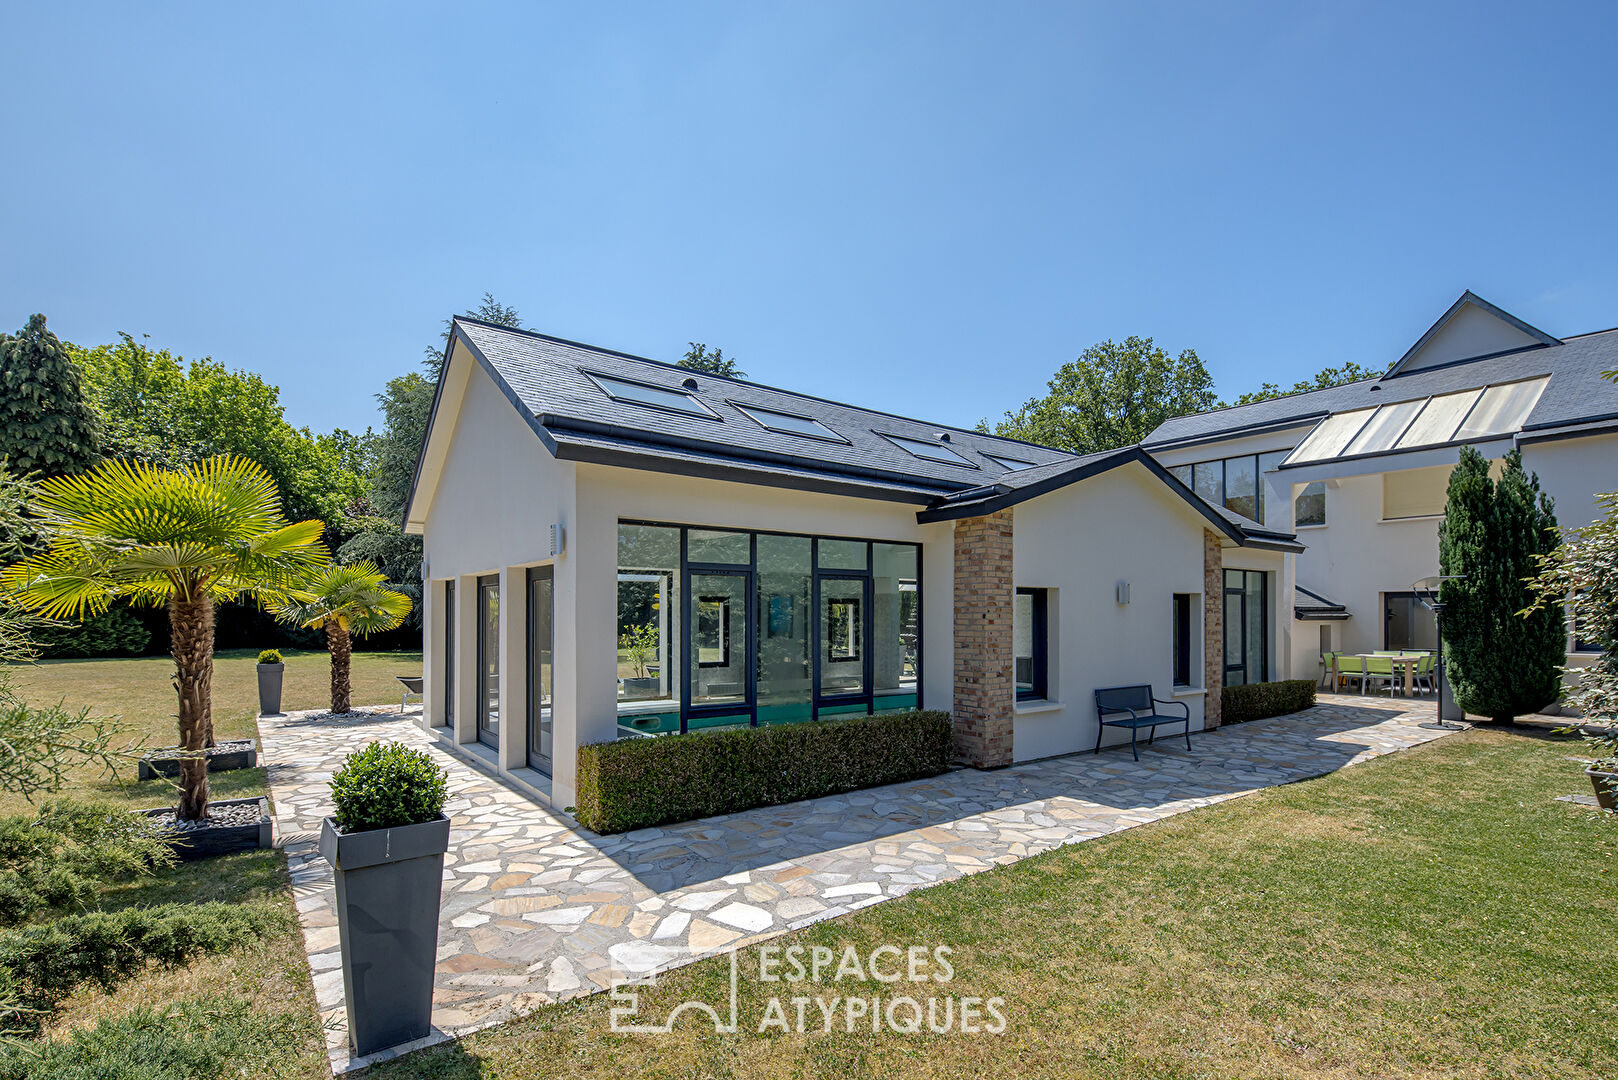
[1255, 701]
[635, 783]
[41, 964]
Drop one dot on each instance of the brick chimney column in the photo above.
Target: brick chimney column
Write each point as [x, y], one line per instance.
[1213, 627]
[985, 687]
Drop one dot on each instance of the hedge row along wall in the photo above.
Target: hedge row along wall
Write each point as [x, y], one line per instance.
[635, 783]
[1258, 700]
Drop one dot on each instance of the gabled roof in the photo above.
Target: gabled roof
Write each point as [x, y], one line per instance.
[1025, 484]
[564, 391]
[1575, 395]
[1525, 337]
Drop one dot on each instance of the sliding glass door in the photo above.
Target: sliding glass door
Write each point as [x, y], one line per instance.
[1247, 627]
[489, 659]
[541, 594]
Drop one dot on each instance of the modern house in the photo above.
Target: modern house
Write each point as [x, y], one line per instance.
[621, 548]
[1359, 472]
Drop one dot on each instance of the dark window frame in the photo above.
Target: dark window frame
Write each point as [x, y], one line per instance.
[449, 653]
[1039, 662]
[1265, 623]
[488, 733]
[723, 603]
[835, 702]
[1184, 618]
[536, 695]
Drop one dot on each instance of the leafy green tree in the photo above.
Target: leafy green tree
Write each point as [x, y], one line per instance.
[1503, 654]
[161, 409]
[345, 601]
[1326, 379]
[1113, 395]
[489, 310]
[698, 358]
[45, 424]
[184, 539]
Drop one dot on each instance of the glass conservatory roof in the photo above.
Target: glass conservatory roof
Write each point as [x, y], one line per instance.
[1463, 416]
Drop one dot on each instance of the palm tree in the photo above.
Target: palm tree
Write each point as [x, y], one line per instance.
[185, 538]
[344, 601]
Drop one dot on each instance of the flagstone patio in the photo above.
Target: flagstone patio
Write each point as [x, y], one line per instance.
[537, 909]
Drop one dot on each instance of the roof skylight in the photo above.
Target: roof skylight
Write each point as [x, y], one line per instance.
[1407, 425]
[658, 397]
[1009, 462]
[788, 423]
[928, 451]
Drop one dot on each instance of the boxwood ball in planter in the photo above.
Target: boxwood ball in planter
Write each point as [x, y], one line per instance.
[386, 844]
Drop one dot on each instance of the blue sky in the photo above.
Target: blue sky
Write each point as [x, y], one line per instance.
[924, 208]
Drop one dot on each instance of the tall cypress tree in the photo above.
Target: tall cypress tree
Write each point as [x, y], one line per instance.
[45, 423]
[1501, 663]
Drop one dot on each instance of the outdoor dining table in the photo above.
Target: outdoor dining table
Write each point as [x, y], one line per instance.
[1407, 663]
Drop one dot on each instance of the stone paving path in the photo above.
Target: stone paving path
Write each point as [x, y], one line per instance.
[537, 909]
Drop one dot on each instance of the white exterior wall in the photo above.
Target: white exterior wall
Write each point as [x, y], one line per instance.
[1574, 472]
[498, 493]
[1079, 542]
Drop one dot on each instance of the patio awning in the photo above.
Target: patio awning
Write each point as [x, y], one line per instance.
[1311, 606]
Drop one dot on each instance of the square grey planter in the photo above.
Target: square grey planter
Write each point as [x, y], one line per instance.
[214, 840]
[389, 882]
[223, 757]
[269, 688]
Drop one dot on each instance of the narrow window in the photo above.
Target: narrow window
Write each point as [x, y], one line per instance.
[1309, 508]
[1030, 637]
[1182, 639]
[449, 654]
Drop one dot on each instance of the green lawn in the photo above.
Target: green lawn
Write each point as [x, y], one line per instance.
[1434, 913]
[140, 693]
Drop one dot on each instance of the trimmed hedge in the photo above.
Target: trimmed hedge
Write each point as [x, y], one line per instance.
[1255, 701]
[635, 783]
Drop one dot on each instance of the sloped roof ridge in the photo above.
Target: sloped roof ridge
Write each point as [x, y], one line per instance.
[757, 385]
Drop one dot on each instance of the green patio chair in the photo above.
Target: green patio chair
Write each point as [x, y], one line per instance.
[1378, 666]
[1326, 670]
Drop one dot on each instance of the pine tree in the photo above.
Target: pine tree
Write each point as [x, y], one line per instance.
[45, 424]
[1501, 661]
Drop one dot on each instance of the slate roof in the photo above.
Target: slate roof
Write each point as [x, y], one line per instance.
[1308, 604]
[1576, 393]
[546, 378]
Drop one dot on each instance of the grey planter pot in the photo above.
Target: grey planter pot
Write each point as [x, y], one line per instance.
[1606, 785]
[389, 882]
[269, 688]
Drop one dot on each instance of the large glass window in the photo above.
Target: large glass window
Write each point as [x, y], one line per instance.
[1030, 643]
[1241, 486]
[449, 654]
[896, 624]
[1406, 624]
[785, 624]
[1208, 480]
[1247, 627]
[648, 627]
[489, 659]
[762, 628]
[541, 593]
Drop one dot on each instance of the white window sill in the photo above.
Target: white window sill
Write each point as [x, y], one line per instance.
[1322, 525]
[1189, 691]
[1035, 706]
[1402, 520]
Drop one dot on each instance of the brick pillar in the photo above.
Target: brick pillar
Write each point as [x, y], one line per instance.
[985, 687]
[1213, 627]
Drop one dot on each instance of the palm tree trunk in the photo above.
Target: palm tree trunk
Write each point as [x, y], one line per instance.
[338, 643]
[191, 643]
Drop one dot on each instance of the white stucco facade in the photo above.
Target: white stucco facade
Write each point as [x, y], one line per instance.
[491, 492]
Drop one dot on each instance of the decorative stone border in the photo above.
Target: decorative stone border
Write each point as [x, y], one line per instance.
[222, 757]
[222, 839]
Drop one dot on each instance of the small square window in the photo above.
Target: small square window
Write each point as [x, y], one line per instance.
[1030, 636]
[1309, 508]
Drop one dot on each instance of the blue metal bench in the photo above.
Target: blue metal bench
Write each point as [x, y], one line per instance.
[1141, 707]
